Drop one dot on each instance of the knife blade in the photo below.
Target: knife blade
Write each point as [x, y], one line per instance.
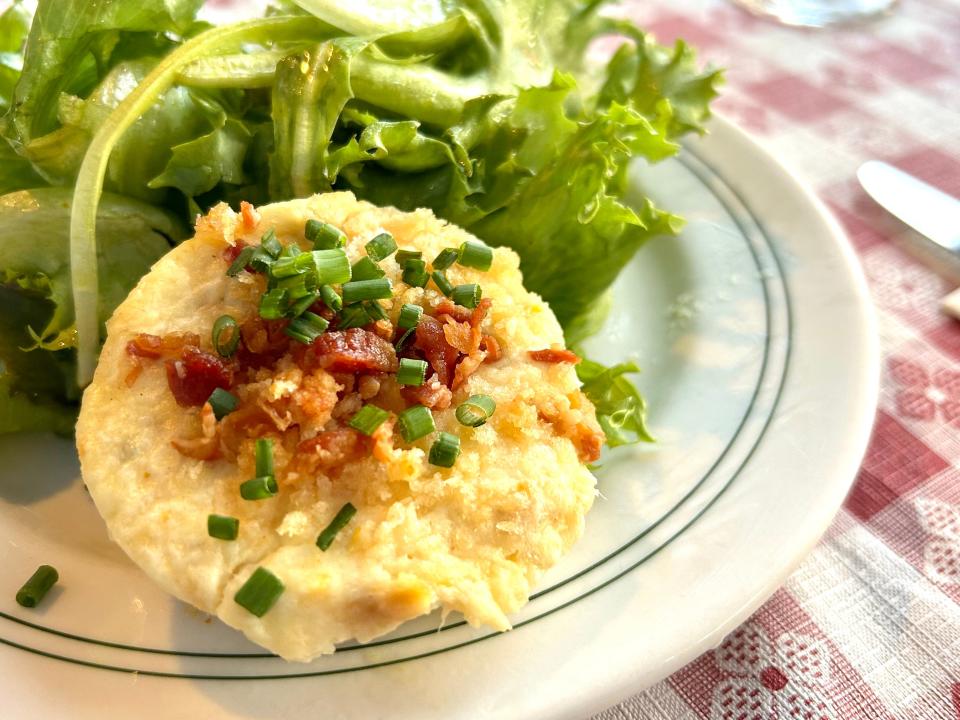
[931, 212]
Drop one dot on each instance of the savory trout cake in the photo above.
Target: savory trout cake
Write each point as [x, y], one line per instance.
[318, 419]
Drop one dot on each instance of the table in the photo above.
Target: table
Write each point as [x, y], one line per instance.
[869, 625]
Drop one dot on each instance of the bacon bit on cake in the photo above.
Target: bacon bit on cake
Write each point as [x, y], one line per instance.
[152, 347]
[195, 375]
[205, 447]
[355, 351]
[554, 355]
[331, 449]
[491, 346]
[583, 431]
[456, 312]
[432, 394]
[430, 339]
[467, 367]
[251, 218]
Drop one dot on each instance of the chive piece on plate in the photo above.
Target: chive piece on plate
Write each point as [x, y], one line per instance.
[324, 236]
[302, 305]
[467, 295]
[33, 590]
[445, 450]
[359, 290]
[411, 372]
[443, 285]
[366, 269]
[368, 419]
[306, 328]
[331, 298]
[409, 316]
[226, 346]
[415, 273]
[223, 527]
[446, 258]
[415, 422]
[475, 255]
[340, 520]
[222, 402]
[381, 247]
[476, 410]
[259, 593]
[299, 286]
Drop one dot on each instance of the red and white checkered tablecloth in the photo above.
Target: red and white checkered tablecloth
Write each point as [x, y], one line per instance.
[869, 626]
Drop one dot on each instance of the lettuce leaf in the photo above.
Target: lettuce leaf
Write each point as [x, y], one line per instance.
[14, 26]
[37, 360]
[621, 410]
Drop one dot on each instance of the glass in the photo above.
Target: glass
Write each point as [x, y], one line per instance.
[818, 13]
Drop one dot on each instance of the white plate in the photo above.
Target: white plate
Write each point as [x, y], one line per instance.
[761, 365]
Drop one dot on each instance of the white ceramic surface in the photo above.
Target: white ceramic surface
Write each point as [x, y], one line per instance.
[760, 362]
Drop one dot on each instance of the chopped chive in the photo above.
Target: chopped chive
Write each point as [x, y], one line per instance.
[476, 410]
[323, 235]
[260, 488]
[223, 527]
[375, 310]
[475, 255]
[290, 251]
[33, 590]
[353, 316]
[467, 295]
[443, 285]
[412, 372]
[302, 305]
[404, 256]
[273, 304]
[241, 261]
[415, 422]
[359, 290]
[283, 268]
[366, 269]
[446, 258]
[403, 340]
[368, 419]
[306, 328]
[445, 450]
[299, 286]
[381, 247]
[331, 298]
[260, 592]
[332, 266]
[415, 273]
[222, 402]
[225, 347]
[409, 316]
[260, 260]
[263, 456]
[270, 243]
[340, 520]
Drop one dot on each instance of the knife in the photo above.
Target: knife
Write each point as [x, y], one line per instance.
[931, 212]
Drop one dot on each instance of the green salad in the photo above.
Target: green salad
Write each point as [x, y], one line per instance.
[121, 121]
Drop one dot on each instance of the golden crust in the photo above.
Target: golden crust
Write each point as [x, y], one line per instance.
[472, 539]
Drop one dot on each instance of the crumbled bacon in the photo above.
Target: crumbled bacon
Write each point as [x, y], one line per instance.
[457, 334]
[232, 252]
[432, 394]
[457, 312]
[331, 449]
[429, 338]
[554, 355]
[383, 440]
[195, 375]
[249, 214]
[467, 367]
[154, 347]
[264, 342]
[491, 346]
[355, 350]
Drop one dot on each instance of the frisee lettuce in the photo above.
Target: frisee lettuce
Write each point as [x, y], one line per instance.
[483, 110]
